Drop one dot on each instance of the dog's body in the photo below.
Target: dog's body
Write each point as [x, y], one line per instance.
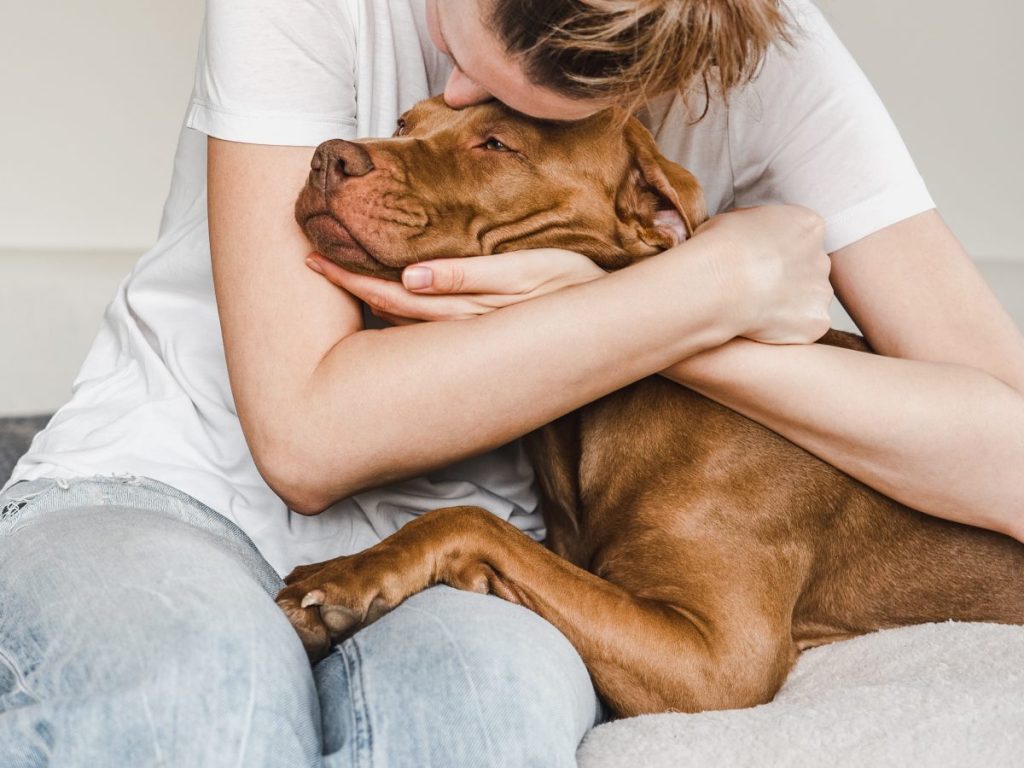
[692, 553]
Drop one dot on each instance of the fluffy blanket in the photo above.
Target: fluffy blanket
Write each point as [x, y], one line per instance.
[932, 695]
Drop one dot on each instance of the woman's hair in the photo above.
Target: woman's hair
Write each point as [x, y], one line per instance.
[627, 51]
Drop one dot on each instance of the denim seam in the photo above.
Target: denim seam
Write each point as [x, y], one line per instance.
[465, 668]
[363, 741]
[251, 707]
[152, 728]
[19, 678]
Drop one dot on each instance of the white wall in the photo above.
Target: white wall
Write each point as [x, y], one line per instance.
[951, 74]
[92, 94]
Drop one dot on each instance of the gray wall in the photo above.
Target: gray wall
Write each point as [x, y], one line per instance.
[94, 92]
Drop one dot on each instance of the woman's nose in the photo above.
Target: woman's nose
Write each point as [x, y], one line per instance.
[462, 92]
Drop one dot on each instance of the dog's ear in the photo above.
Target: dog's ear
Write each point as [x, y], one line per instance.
[660, 199]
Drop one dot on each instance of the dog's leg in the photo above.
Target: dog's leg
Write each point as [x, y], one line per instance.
[713, 643]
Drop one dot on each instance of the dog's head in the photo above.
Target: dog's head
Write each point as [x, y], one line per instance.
[486, 180]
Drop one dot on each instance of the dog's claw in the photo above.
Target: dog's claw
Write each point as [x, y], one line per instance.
[316, 597]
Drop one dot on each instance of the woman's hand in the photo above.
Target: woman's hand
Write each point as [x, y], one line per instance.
[771, 264]
[456, 289]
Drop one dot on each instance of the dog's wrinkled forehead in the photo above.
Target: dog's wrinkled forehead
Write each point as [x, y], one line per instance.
[493, 120]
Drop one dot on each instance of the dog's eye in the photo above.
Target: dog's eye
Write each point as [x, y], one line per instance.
[400, 130]
[495, 145]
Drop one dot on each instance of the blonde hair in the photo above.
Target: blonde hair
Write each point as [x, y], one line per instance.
[626, 51]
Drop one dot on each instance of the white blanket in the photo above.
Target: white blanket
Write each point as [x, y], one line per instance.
[932, 695]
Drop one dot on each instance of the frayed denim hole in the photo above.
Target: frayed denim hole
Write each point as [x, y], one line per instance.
[9, 510]
[12, 509]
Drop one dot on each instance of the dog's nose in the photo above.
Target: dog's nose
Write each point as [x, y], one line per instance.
[337, 159]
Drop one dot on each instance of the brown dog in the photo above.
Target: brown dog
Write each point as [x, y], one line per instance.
[692, 552]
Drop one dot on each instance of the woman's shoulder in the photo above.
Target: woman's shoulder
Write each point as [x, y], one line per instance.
[271, 72]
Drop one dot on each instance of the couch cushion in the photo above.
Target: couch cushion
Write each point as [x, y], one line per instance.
[15, 436]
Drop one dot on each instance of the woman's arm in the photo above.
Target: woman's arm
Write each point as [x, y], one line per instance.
[938, 423]
[329, 409]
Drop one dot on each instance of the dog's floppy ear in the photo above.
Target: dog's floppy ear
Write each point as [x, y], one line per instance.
[661, 199]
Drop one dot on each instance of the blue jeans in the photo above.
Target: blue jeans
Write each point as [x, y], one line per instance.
[138, 628]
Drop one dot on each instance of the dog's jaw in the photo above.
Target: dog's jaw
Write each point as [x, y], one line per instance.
[336, 243]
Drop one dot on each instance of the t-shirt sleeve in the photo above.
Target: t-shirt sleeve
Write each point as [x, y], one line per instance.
[811, 130]
[273, 72]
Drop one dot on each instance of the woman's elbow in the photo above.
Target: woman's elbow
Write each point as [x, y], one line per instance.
[295, 476]
[292, 488]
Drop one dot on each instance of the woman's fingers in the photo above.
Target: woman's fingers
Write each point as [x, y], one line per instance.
[392, 302]
[456, 289]
[500, 272]
[516, 272]
[388, 299]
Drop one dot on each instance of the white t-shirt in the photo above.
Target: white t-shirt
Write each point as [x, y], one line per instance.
[153, 399]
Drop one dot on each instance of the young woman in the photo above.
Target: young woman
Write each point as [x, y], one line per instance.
[238, 415]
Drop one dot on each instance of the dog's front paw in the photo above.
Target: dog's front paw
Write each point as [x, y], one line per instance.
[329, 602]
[312, 631]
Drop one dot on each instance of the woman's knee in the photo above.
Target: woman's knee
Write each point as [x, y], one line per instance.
[114, 619]
[465, 678]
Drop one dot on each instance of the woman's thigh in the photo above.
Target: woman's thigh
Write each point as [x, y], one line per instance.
[137, 627]
[454, 679]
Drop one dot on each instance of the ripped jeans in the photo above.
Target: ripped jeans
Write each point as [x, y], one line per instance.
[138, 628]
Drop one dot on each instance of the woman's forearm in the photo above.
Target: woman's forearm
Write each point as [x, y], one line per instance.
[947, 440]
[393, 403]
